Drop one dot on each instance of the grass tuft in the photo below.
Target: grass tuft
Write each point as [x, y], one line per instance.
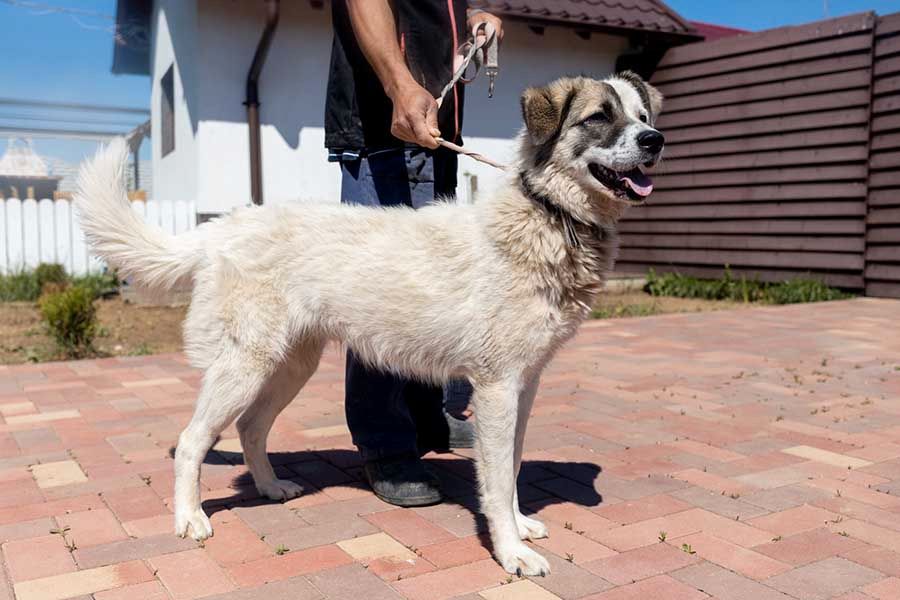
[741, 289]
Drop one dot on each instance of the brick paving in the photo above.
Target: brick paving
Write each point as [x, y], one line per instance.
[749, 454]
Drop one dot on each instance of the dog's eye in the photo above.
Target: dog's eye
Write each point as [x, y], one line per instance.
[643, 118]
[597, 117]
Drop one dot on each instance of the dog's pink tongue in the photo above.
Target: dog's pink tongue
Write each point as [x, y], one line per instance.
[638, 182]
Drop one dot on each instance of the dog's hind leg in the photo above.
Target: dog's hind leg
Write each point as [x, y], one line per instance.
[495, 426]
[229, 386]
[529, 529]
[254, 425]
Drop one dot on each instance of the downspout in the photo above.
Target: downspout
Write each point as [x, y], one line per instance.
[252, 101]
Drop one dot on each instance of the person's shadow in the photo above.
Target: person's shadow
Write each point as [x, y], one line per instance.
[541, 482]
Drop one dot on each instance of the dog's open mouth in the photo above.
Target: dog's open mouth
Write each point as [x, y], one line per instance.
[633, 184]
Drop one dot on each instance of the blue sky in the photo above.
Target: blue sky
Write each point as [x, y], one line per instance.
[765, 14]
[52, 56]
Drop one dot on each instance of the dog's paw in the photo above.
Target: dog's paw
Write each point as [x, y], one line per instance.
[519, 559]
[279, 489]
[530, 529]
[196, 524]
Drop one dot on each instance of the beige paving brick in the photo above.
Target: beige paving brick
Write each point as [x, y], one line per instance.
[53, 474]
[10, 409]
[55, 415]
[377, 545]
[827, 457]
[519, 590]
[70, 585]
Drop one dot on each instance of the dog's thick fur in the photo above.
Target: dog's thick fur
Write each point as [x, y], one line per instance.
[488, 292]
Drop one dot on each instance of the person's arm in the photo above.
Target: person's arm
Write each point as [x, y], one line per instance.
[415, 110]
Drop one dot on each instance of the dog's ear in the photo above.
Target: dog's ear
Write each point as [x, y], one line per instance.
[544, 109]
[652, 97]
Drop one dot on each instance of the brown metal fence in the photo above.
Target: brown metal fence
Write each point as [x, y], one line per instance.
[883, 220]
[768, 154]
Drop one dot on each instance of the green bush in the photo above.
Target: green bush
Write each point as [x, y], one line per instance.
[101, 285]
[20, 286]
[740, 289]
[46, 273]
[71, 320]
[27, 285]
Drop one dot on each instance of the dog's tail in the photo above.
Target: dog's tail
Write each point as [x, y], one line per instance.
[152, 257]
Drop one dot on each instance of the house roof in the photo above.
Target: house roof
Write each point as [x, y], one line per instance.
[132, 50]
[711, 31]
[651, 16]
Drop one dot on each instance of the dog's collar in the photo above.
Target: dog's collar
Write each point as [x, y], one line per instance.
[567, 219]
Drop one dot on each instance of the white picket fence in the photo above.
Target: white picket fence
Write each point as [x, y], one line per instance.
[32, 232]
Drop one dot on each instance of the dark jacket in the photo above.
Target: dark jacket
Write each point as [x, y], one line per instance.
[357, 111]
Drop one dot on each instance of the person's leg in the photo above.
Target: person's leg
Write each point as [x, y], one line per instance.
[375, 402]
[377, 415]
[458, 392]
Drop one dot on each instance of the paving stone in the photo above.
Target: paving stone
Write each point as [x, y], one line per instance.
[132, 549]
[641, 563]
[518, 590]
[829, 458]
[285, 566]
[794, 520]
[92, 527]
[351, 581]
[570, 581]
[603, 458]
[661, 586]
[824, 579]
[37, 557]
[809, 546]
[409, 528]
[77, 583]
[190, 574]
[151, 590]
[54, 474]
[726, 585]
[731, 556]
[886, 589]
[456, 552]
[632, 511]
[455, 581]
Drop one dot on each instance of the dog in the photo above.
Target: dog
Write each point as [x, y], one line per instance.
[487, 291]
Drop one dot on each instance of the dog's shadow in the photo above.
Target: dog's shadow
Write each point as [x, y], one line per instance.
[541, 482]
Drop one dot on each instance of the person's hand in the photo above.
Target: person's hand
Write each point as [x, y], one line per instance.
[415, 115]
[479, 16]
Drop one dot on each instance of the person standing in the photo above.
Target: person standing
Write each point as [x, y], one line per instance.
[389, 60]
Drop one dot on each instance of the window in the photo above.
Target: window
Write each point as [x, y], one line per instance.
[167, 110]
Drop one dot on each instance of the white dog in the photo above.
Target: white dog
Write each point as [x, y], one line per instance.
[488, 292]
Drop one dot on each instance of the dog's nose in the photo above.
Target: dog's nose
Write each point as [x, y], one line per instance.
[651, 140]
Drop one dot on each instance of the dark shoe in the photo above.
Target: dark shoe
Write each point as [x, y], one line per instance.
[462, 433]
[403, 481]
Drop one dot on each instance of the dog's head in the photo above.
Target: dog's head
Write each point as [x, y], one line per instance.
[598, 132]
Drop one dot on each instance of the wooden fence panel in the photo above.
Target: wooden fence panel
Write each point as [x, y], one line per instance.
[883, 221]
[767, 160]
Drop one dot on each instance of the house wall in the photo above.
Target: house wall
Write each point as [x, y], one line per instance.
[174, 27]
[215, 45]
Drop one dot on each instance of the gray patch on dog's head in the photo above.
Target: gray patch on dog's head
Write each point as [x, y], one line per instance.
[651, 97]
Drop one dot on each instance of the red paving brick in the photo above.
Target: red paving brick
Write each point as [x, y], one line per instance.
[663, 435]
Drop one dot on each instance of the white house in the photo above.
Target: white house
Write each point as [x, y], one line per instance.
[198, 53]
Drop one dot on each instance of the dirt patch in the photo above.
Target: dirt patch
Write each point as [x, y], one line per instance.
[125, 330]
[128, 329]
[635, 303]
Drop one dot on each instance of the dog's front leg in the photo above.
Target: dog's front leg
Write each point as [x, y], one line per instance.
[529, 529]
[496, 417]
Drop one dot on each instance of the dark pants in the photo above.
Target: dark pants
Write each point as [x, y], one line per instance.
[388, 415]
